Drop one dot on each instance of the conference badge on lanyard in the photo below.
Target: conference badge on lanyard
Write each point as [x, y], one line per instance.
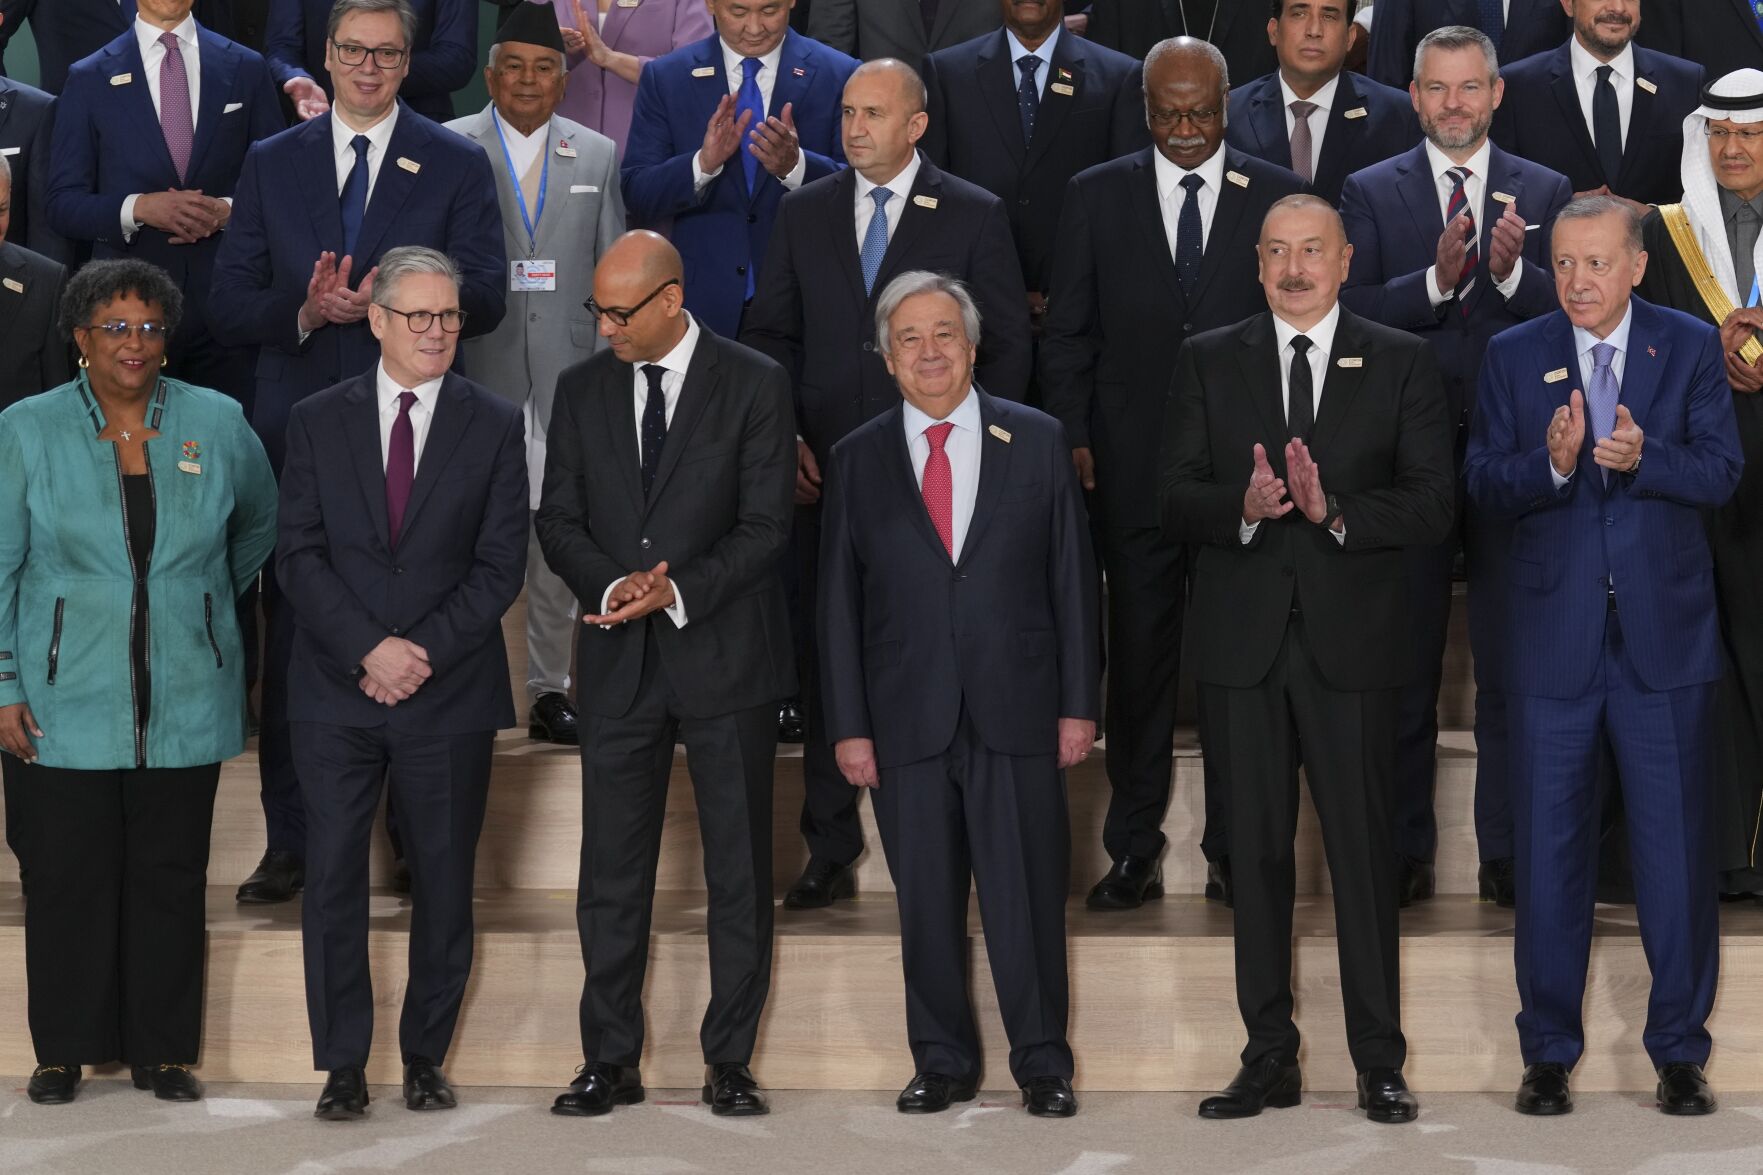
[531, 275]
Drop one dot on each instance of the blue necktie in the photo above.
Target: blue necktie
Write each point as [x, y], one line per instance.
[875, 238]
[354, 198]
[1604, 391]
[654, 424]
[1189, 242]
[749, 100]
[1028, 99]
[1491, 17]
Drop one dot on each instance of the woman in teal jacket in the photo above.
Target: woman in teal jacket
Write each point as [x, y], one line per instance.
[133, 511]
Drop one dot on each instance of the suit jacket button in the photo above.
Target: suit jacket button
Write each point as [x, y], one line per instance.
[645, 544]
[397, 571]
[1187, 328]
[1023, 202]
[868, 346]
[741, 269]
[532, 318]
[752, 218]
[397, 631]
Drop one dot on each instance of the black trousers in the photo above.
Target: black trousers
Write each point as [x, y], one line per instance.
[626, 762]
[830, 822]
[1347, 741]
[441, 783]
[114, 928]
[1002, 820]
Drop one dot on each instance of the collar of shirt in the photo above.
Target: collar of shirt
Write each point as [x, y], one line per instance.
[1441, 163]
[680, 358]
[1321, 335]
[523, 149]
[1730, 204]
[378, 136]
[735, 72]
[1584, 340]
[147, 35]
[1585, 66]
[1045, 53]
[1169, 176]
[965, 416]
[1323, 97]
[900, 185]
[389, 388]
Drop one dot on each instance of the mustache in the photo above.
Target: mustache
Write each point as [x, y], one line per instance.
[1178, 143]
[1296, 285]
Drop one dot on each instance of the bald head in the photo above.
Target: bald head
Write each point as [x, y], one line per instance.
[639, 296]
[881, 118]
[911, 92]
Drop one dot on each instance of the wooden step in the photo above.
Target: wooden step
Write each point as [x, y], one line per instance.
[1153, 1005]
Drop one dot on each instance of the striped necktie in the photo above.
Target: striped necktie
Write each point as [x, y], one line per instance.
[1459, 206]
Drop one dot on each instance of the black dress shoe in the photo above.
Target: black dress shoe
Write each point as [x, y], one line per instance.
[792, 727]
[1683, 1089]
[1544, 1090]
[1384, 1096]
[53, 1085]
[345, 1096]
[1269, 1082]
[1218, 886]
[1415, 880]
[822, 883]
[597, 1088]
[425, 1086]
[1128, 885]
[1049, 1097]
[1499, 882]
[169, 1083]
[400, 876]
[280, 875]
[932, 1093]
[554, 720]
[730, 1091]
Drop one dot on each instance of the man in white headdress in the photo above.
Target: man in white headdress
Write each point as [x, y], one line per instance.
[1705, 256]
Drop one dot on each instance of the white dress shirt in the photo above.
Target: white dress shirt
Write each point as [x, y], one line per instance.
[1585, 80]
[734, 72]
[1043, 63]
[1171, 195]
[1321, 338]
[152, 60]
[1324, 100]
[963, 449]
[900, 186]
[379, 136]
[1583, 342]
[1475, 191]
[524, 150]
[422, 413]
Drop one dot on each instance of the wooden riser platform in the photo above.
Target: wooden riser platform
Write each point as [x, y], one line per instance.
[1153, 1005]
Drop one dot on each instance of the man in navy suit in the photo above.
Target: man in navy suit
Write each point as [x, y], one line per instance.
[68, 30]
[1603, 432]
[959, 662]
[1601, 110]
[720, 132]
[1517, 28]
[317, 205]
[402, 541]
[1311, 115]
[443, 54]
[26, 119]
[1440, 249]
[147, 150]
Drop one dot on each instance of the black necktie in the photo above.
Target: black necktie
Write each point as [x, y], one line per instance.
[654, 424]
[1606, 125]
[1189, 234]
[1300, 391]
[1028, 98]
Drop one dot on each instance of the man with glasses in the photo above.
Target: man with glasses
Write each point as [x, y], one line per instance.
[443, 50]
[670, 464]
[316, 208]
[402, 542]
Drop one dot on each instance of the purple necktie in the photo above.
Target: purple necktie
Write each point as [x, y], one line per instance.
[400, 466]
[175, 118]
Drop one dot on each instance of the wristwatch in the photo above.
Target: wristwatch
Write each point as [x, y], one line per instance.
[1333, 514]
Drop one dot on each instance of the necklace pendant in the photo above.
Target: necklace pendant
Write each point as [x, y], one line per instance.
[126, 435]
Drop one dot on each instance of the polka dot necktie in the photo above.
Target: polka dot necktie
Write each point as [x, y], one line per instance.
[1028, 99]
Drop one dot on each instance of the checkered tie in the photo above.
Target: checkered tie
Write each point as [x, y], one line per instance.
[1459, 206]
[875, 238]
[938, 485]
[175, 119]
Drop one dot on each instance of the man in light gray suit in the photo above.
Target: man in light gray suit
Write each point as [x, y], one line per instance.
[902, 29]
[557, 183]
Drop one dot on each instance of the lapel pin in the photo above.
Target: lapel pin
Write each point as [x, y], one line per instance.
[1653, 352]
[1356, 112]
[1555, 376]
[192, 451]
[704, 71]
[799, 72]
[1237, 178]
[1504, 198]
[1350, 361]
[1001, 434]
[628, 3]
[1064, 74]
[925, 201]
[1644, 84]
[409, 165]
[1063, 89]
[14, 285]
[189, 467]
[122, 79]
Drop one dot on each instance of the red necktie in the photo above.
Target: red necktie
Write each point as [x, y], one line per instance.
[938, 486]
[400, 466]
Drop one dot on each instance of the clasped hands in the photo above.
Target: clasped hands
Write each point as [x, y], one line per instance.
[1266, 496]
[856, 756]
[1620, 451]
[188, 216]
[329, 300]
[1738, 329]
[635, 596]
[394, 670]
[773, 142]
[1504, 248]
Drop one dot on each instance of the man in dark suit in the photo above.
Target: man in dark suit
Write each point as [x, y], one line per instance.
[1441, 249]
[674, 433]
[443, 54]
[1022, 110]
[26, 121]
[959, 675]
[1719, 35]
[1234, 26]
[402, 541]
[316, 207]
[1601, 110]
[1517, 28]
[837, 243]
[905, 31]
[1310, 114]
[1603, 433]
[68, 30]
[1152, 249]
[1304, 448]
[33, 352]
[720, 132]
[139, 170]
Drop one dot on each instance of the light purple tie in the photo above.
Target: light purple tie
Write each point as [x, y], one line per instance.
[1604, 394]
[400, 466]
[175, 119]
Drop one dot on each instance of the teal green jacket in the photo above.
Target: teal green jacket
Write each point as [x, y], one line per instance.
[66, 585]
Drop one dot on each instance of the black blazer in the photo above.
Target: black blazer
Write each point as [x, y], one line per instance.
[1383, 445]
[1719, 35]
[33, 353]
[719, 513]
[1532, 26]
[908, 640]
[458, 565]
[1540, 120]
[811, 315]
[976, 133]
[1237, 27]
[67, 30]
[1117, 315]
[1368, 123]
[26, 120]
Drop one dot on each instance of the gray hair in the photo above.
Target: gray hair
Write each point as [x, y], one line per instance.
[1458, 36]
[1206, 49]
[922, 281]
[1592, 207]
[401, 8]
[496, 53]
[397, 264]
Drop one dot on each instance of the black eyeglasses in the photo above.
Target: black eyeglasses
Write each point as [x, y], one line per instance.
[385, 56]
[620, 316]
[1200, 118]
[452, 321]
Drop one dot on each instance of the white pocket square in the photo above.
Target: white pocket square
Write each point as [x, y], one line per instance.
[232, 106]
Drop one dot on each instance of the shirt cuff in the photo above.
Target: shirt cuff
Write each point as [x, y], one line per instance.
[798, 172]
[1432, 288]
[677, 609]
[1510, 286]
[1246, 532]
[130, 226]
[1560, 482]
[700, 177]
[1340, 536]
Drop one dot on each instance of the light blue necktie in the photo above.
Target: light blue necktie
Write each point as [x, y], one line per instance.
[1604, 395]
[875, 239]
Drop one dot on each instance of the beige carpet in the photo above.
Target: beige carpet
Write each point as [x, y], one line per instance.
[267, 1130]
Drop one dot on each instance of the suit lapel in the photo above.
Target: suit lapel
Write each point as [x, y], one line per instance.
[994, 471]
[1259, 363]
[317, 177]
[1566, 96]
[393, 185]
[997, 85]
[1414, 184]
[914, 222]
[1649, 356]
[694, 394]
[1503, 178]
[1558, 346]
[218, 68]
[616, 19]
[1642, 114]
[1148, 209]
[939, 27]
[621, 431]
[1340, 384]
[900, 461]
[453, 413]
[136, 107]
[361, 425]
[842, 230]
[1340, 134]
[1267, 123]
[1227, 218]
[1055, 107]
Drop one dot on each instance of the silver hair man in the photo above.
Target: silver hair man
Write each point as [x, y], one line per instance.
[910, 284]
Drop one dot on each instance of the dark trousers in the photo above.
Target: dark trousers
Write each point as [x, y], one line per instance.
[1347, 741]
[830, 822]
[1661, 741]
[1002, 820]
[441, 783]
[114, 926]
[626, 763]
